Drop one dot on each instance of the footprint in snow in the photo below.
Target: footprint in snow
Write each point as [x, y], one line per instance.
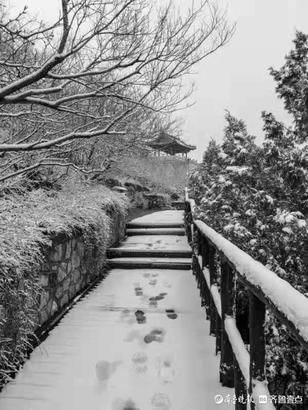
[160, 401]
[125, 313]
[129, 404]
[138, 291]
[161, 296]
[153, 302]
[156, 335]
[133, 335]
[171, 314]
[140, 359]
[104, 369]
[140, 317]
[127, 317]
[167, 284]
[166, 370]
[153, 282]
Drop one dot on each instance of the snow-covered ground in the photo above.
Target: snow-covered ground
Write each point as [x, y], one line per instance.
[156, 242]
[161, 217]
[138, 341]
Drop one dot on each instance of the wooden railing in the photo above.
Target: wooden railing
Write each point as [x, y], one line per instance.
[219, 267]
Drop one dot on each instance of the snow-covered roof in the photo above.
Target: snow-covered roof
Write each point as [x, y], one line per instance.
[170, 144]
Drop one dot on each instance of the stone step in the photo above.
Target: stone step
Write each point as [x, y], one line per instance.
[140, 253]
[145, 225]
[148, 263]
[156, 231]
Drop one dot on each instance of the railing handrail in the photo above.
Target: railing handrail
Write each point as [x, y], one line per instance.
[283, 299]
[265, 288]
[190, 201]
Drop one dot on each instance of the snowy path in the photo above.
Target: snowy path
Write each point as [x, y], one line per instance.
[138, 341]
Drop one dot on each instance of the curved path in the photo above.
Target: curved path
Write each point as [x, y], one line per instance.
[138, 341]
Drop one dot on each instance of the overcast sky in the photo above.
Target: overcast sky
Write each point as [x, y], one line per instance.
[236, 77]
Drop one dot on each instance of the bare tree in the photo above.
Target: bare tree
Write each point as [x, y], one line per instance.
[94, 74]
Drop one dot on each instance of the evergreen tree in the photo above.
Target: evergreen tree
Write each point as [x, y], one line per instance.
[257, 197]
[292, 84]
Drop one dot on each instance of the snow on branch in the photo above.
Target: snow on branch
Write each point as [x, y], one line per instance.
[117, 64]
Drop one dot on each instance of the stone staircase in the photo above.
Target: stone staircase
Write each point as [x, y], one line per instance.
[137, 340]
[152, 244]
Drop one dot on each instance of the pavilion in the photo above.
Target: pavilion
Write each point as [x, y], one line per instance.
[170, 145]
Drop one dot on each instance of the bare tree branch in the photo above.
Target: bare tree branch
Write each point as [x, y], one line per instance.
[96, 75]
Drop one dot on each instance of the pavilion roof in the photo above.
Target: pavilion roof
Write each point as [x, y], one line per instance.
[170, 144]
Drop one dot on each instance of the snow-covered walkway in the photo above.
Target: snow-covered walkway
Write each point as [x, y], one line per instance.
[138, 341]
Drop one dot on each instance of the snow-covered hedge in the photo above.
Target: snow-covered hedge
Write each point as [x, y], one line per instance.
[28, 222]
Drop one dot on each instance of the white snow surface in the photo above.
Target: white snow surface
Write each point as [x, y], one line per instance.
[288, 300]
[171, 242]
[100, 358]
[161, 217]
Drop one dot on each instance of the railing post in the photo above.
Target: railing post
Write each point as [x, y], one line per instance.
[213, 280]
[198, 250]
[218, 326]
[227, 304]
[202, 279]
[242, 312]
[192, 227]
[206, 297]
[198, 242]
[215, 324]
[240, 388]
[204, 252]
[257, 341]
[188, 222]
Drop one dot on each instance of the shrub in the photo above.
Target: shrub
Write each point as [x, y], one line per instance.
[28, 220]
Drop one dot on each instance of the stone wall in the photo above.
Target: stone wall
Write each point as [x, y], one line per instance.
[72, 263]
